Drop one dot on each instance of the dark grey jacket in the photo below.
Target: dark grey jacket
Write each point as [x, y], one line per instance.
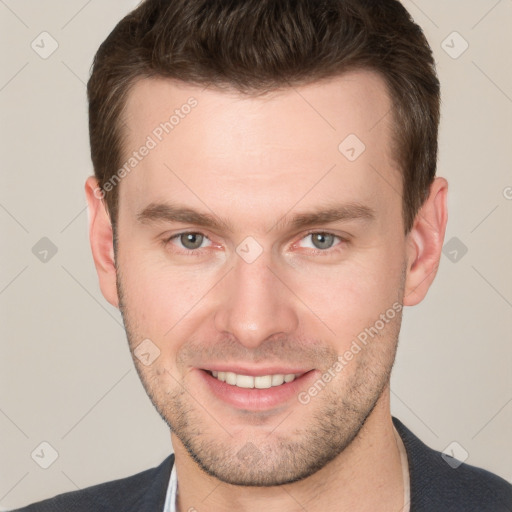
[435, 487]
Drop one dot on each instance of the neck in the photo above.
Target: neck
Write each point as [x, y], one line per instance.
[366, 476]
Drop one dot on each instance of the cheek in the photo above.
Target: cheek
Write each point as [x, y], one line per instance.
[351, 296]
[159, 296]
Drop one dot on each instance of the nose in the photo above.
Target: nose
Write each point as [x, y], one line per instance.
[255, 303]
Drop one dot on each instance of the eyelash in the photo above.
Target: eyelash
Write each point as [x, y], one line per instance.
[198, 252]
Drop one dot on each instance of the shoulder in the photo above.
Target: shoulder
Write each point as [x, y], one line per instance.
[143, 491]
[441, 483]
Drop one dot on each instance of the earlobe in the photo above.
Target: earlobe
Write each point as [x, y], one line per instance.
[101, 240]
[425, 243]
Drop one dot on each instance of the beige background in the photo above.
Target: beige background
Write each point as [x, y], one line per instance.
[65, 372]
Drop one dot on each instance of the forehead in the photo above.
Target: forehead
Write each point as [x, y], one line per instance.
[330, 138]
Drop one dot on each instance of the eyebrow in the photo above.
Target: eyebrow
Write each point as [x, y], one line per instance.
[166, 212]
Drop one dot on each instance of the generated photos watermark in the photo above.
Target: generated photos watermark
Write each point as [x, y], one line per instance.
[361, 341]
[152, 140]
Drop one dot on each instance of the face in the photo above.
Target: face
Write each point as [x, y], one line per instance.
[251, 244]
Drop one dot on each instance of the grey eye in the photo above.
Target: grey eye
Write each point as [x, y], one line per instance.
[191, 240]
[322, 240]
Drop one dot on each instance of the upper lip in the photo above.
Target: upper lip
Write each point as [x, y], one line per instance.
[257, 372]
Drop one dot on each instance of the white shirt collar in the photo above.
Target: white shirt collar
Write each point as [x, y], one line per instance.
[172, 491]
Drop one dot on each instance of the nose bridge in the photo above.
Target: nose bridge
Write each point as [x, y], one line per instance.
[255, 304]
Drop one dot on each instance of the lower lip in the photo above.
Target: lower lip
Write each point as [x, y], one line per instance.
[257, 399]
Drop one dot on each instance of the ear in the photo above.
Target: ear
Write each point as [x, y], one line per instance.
[425, 242]
[101, 239]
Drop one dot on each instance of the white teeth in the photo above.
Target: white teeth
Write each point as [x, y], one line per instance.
[277, 380]
[244, 381]
[263, 382]
[260, 382]
[231, 378]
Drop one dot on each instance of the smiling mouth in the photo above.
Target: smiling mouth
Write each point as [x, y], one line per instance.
[258, 382]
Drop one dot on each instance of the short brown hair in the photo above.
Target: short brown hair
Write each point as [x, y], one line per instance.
[255, 46]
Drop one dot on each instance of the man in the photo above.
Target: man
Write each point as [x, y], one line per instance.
[263, 207]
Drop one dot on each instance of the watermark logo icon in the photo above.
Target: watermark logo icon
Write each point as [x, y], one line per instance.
[44, 455]
[352, 147]
[249, 454]
[146, 352]
[249, 250]
[44, 45]
[454, 250]
[44, 250]
[454, 454]
[455, 45]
